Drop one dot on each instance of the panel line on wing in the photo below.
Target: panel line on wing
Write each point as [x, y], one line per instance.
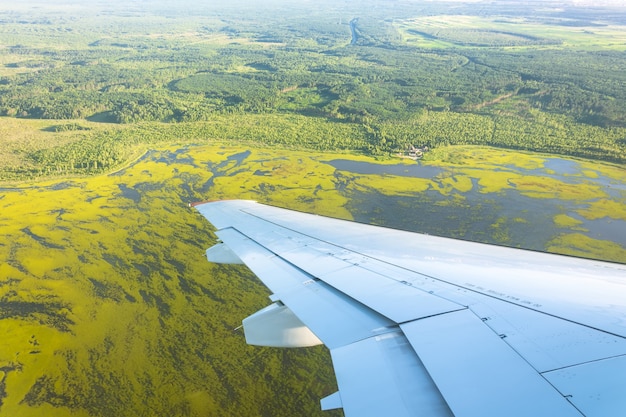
[591, 362]
[390, 297]
[597, 388]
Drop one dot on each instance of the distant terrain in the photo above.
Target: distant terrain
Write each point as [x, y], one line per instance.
[369, 78]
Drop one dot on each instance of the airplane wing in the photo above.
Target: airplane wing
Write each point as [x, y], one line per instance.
[419, 325]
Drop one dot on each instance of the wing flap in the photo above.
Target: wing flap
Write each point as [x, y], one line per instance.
[479, 374]
[331, 402]
[358, 276]
[382, 376]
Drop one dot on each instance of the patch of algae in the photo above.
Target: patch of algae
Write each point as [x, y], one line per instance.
[604, 208]
[108, 307]
[291, 179]
[546, 187]
[483, 157]
[390, 185]
[497, 170]
[453, 184]
[578, 244]
[563, 220]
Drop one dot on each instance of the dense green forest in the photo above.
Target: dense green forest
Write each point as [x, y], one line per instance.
[338, 76]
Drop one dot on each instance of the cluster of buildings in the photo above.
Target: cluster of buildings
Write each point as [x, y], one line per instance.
[414, 152]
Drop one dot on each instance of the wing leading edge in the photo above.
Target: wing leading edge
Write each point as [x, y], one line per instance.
[421, 325]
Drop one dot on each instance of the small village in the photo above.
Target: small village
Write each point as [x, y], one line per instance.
[413, 152]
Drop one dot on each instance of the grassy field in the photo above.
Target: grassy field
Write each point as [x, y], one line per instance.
[471, 31]
[109, 307]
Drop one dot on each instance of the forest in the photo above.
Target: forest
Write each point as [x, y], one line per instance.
[115, 77]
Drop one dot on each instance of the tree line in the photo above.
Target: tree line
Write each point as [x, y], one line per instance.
[387, 93]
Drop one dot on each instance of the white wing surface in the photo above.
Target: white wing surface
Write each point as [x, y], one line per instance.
[419, 325]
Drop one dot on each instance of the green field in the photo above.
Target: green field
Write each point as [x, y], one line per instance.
[110, 308]
[521, 32]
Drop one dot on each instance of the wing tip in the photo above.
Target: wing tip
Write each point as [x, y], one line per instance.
[197, 203]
